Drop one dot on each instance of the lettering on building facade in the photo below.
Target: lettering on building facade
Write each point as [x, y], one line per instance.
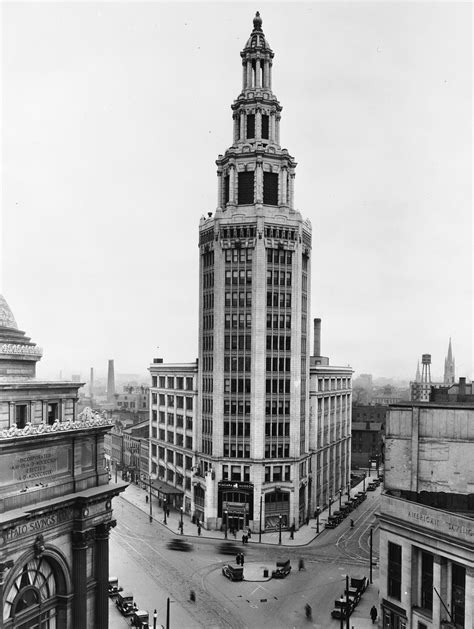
[37, 525]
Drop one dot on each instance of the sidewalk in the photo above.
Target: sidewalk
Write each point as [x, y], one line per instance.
[302, 537]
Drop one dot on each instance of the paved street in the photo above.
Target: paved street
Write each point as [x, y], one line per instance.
[144, 565]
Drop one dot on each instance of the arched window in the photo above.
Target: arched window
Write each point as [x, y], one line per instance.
[31, 600]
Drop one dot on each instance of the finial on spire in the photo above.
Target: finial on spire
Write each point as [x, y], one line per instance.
[257, 22]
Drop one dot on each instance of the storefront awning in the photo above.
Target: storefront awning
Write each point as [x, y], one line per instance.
[163, 489]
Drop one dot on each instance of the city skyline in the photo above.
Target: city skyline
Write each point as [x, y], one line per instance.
[99, 166]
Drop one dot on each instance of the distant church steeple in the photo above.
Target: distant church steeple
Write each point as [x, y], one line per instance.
[449, 366]
[418, 375]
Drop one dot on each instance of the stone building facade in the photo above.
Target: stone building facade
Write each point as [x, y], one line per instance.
[427, 517]
[56, 504]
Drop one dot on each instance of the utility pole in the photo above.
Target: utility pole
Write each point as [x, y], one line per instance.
[149, 500]
[370, 572]
[168, 613]
[347, 601]
[260, 522]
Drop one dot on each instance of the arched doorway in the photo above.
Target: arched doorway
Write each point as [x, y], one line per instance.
[31, 601]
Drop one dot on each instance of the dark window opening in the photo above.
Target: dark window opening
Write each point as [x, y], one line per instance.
[394, 570]
[53, 408]
[226, 188]
[250, 126]
[427, 581]
[270, 188]
[265, 126]
[246, 188]
[21, 415]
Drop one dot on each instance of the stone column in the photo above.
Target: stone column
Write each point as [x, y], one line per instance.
[4, 567]
[220, 194]
[102, 573]
[244, 74]
[257, 73]
[242, 125]
[277, 129]
[258, 124]
[80, 542]
[437, 585]
[265, 73]
[271, 131]
[249, 74]
[236, 127]
[291, 200]
[283, 186]
[468, 603]
[232, 184]
[259, 183]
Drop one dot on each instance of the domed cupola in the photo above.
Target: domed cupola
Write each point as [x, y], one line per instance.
[257, 40]
[18, 354]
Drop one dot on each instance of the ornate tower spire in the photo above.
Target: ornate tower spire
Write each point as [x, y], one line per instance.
[418, 375]
[449, 366]
[255, 169]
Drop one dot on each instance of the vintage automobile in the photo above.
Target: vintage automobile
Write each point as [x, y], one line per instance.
[339, 516]
[140, 618]
[361, 495]
[234, 573]
[331, 523]
[178, 543]
[360, 583]
[341, 609]
[229, 548]
[346, 508]
[283, 568]
[114, 587]
[124, 602]
[371, 487]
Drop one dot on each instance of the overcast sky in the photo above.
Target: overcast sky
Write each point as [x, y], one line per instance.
[113, 115]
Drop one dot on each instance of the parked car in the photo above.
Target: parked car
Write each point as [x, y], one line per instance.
[371, 487]
[124, 603]
[361, 495]
[234, 573]
[114, 587]
[140, 618]
[283, 568]
[178, 543]
[338, 515]
[229, 548]
[332, 522]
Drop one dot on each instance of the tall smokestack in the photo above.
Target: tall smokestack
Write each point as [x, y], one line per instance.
[111, 382]
[317, 337]
[91, 384]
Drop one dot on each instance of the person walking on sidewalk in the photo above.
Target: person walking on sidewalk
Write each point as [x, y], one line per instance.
[373, 614]
[237, 559]
[242, 558]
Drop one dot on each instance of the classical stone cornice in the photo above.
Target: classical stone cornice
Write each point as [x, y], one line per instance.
[87, 419]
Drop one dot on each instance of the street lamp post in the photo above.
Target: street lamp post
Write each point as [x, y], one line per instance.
[330, 503]
[149, 500]
[279, 529]
[225, 523]
[363, 487]
[340, 499]
[181, 521]
[348, 490]
[155, 616]
[164, 510]
[317, 520]
[260, 522]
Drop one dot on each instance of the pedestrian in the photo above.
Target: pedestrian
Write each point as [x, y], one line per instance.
[192, 596]
[146, 498]
[249, 534]
[373, 614]
[301, 564]
[237, 559]
[352, 524]
[199, 529]
[292, 532]
[243, 539]
[308, 611]
[234, 533]
[242, 558]
[307, 520]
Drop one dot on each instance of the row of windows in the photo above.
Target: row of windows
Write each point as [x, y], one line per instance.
[208, 259]
[206, 446]
[276, 321]
[237, 363]
[207, 405]
[208, 322]
[207, 363]
[277, 429]
[245, 231]
[278, 278]
[208, 301]
[208, 279]
[250, 120]
[208, 343]
[207, 385]
[169, 400]
[207, 426]
[235, 320]
[279, 342]
[206, 236]
[169, 418]
[277, 473]
[237, 450]
[278, 363]
[277, 407]
[239, 429]
[238, 255]
[238, 299]
[170, 382]
[279, 256]
[278, 299]
[246, 188]
[236, 385]
[176, 439]
[277, 385]
[277, 450]
[238, 341]
[236, 407]
[172, 478]
[241, 276]
[236, 472]
[281, 233]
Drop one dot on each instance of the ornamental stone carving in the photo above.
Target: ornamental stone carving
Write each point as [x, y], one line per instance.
[27, 350]
[85, 420]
